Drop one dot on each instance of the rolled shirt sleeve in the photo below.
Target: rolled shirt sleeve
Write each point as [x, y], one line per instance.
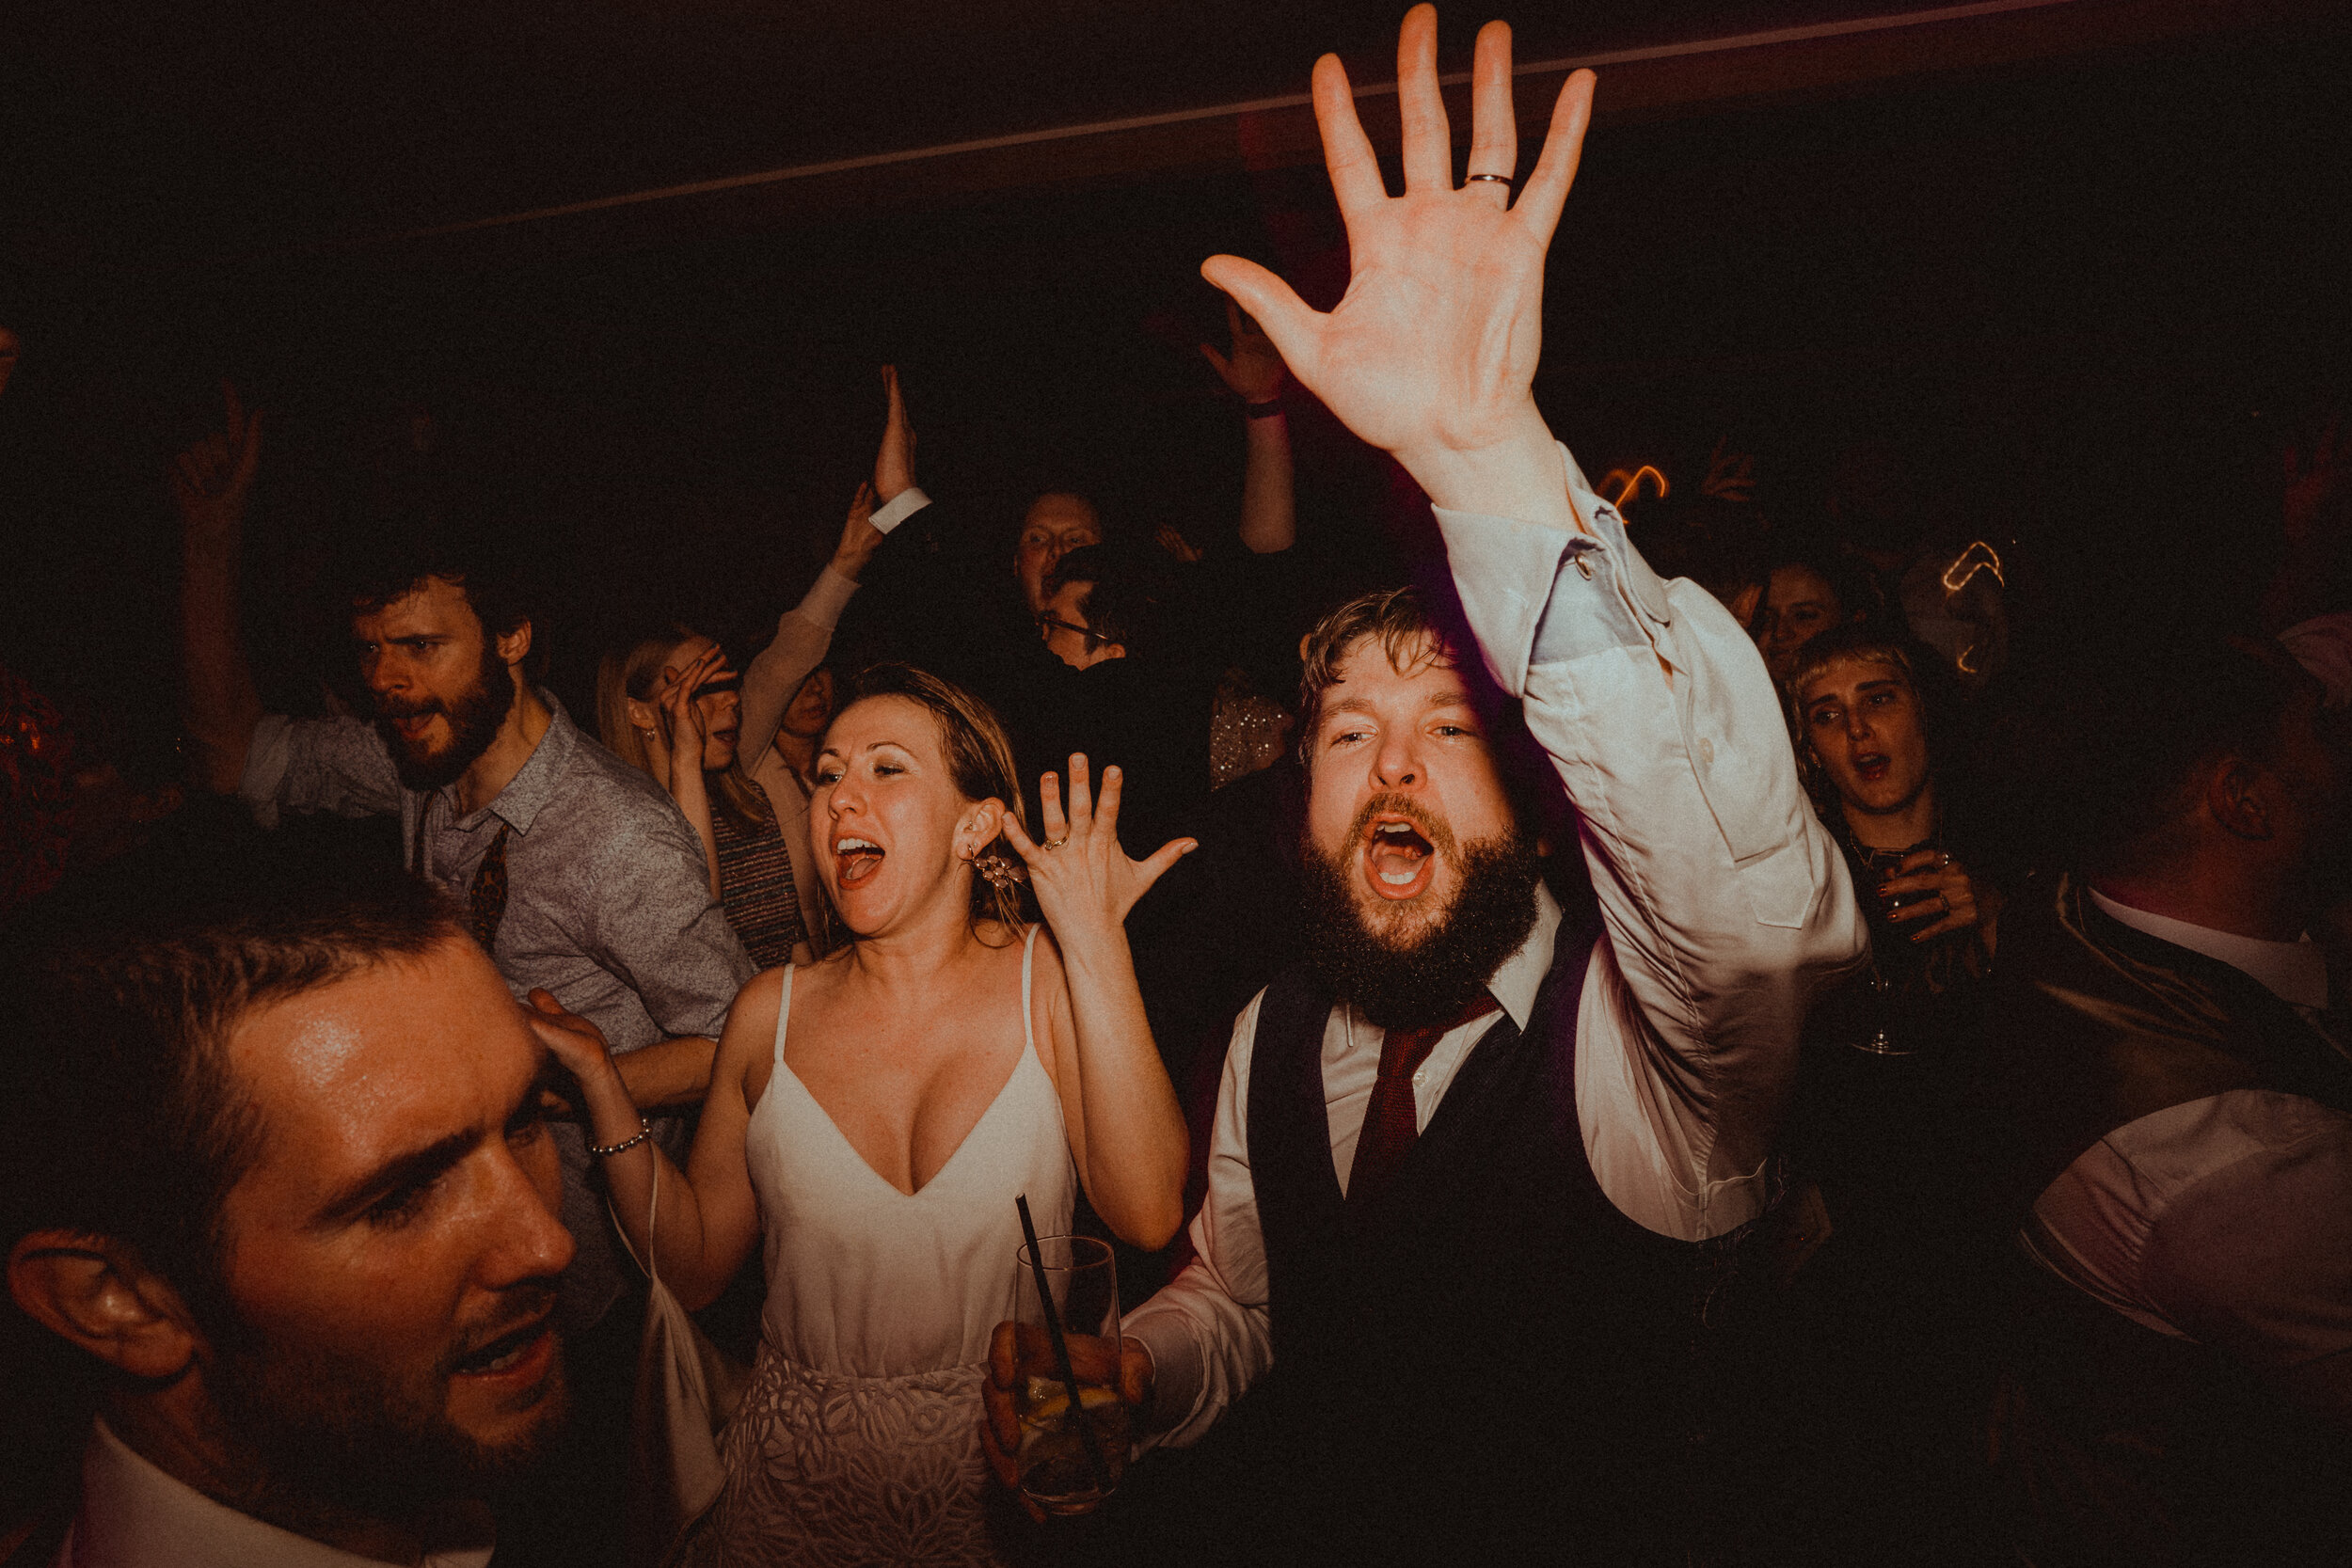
[1724, 900]
[1208, 1329]
[311, 765]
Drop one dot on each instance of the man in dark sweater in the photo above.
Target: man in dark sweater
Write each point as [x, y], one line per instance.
[1465, 1157]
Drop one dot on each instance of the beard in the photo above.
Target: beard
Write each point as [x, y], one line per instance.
[1404, 973]
[340, 1433]
[474, 718]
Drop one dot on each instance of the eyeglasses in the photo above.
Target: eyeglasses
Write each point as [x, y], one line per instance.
[1047, 625]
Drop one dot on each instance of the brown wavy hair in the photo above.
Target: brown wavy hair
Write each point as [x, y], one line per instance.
[981, 766]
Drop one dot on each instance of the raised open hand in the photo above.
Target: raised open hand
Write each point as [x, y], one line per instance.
[1431, 353]
[1082, 877]
[894, 464]
[1254, 370]
[212, 480]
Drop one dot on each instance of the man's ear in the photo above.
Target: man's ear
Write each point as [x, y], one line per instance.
[1112, 650]
[516, 645]
[2238, 796]
[93, 1291]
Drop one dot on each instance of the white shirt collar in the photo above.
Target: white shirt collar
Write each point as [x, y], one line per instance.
[1521, 975]
[2295, 972]
[133, 1514]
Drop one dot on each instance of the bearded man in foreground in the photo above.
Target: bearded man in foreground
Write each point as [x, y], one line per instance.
[1471, 1162]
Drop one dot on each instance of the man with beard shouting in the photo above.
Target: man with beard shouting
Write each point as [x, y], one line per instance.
[577, 873]
[1472, 1165]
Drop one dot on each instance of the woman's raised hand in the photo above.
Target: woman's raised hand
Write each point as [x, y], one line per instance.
[1081, 876]
[1431, 354]
[683, 728]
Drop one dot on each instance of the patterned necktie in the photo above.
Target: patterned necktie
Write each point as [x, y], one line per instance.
[1391, 1124]
[485, 900]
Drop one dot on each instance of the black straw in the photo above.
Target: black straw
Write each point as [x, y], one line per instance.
[1061, 1347]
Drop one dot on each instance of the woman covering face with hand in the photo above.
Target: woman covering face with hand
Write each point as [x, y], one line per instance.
[872, 1117]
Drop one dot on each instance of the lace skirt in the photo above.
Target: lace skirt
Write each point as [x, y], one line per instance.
[839, 1470]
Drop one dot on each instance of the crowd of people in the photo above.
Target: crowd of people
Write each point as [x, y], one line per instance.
[1624, 1048]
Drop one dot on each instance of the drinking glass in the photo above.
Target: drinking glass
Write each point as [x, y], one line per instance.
[1058, 1473]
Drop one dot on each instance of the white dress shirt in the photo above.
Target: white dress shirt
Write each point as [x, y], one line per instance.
[133, 1515]
[2226, 1220]
[1724, 905]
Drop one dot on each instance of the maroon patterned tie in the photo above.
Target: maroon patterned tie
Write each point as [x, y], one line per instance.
[1390, 1123]
[485, 900]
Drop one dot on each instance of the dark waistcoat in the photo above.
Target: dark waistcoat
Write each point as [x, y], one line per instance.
[1491, 1358]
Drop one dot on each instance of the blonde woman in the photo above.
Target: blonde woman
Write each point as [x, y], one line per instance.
[872, 1117]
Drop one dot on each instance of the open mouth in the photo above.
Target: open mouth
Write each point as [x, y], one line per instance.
[521, 1355]
[1398, 859]
[1870, 767]
[412, 726]
[855, 861]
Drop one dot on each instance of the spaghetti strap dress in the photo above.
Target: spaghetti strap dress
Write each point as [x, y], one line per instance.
[858, 1441]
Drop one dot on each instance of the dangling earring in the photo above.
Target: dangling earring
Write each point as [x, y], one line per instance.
[1003, 872]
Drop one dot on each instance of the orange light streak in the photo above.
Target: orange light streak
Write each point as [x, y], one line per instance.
[1978, 557]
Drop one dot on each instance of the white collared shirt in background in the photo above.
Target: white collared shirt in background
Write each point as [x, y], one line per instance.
[2225, 1220]
[133, 1515]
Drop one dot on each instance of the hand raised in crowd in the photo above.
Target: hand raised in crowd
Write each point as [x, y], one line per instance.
[1431, 354]
[1254, 370]
[1083, 877]
[212, 480]
[1018, 1351]
[894, 464]
[860, 538]
[678, 729]
[1937, 889]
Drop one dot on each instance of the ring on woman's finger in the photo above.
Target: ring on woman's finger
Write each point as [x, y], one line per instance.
[1497, 178]
[1945, 901]
[1054, 843]
[1943, 859]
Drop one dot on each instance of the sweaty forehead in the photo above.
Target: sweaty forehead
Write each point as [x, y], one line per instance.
[396, 1054]
[885, 721]
[1421, 669]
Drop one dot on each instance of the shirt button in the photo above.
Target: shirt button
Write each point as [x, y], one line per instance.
[1419, 1076]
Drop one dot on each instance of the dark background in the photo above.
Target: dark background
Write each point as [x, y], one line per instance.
[2084, 296]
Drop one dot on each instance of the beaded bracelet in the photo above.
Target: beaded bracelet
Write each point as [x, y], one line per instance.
[645, 1130]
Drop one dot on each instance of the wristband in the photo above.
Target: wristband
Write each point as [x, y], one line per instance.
[905, 504]
[1265, 410]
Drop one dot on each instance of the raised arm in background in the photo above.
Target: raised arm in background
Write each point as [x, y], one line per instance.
[211, 483]
[804, 632]
[1269, 513]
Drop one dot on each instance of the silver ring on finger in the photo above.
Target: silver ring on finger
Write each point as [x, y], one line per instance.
[1054, 843]
[1496, 178]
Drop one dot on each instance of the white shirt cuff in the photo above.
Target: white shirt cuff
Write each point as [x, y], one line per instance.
[905, 504]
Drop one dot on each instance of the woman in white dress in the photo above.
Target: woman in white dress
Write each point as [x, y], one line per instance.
[873, 1116]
